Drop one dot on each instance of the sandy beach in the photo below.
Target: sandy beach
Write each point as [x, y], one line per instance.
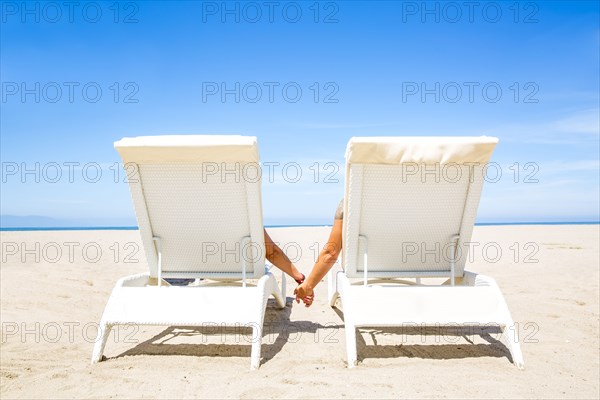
[55, 284]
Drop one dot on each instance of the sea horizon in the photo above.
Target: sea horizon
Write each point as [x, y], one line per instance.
[135, 228]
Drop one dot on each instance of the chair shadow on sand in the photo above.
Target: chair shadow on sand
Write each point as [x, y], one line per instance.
[454, 348]
[279, 330]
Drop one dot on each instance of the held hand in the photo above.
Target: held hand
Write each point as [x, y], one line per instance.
[304, 293]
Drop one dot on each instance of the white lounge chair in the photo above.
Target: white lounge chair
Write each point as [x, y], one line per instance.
[408, 214]
[198, 205]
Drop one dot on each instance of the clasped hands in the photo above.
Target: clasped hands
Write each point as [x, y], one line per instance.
[305, 293]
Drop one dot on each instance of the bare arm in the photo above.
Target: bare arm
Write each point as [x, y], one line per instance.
[277, 257]
[325, 262]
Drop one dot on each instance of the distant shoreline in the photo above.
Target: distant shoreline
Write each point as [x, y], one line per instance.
[135, 228]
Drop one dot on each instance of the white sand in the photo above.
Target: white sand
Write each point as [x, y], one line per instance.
[555, 302]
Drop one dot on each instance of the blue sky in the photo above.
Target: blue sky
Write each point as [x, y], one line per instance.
[525, 72]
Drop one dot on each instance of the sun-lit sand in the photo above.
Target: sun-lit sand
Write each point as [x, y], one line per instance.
[50, 307]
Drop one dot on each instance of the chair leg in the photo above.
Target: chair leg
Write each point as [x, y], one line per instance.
[283, 289]
[278, 295]
[342, 287]
[351, 344]
[256, 345]
[103, 332]
[332, 292]
[512, 340]
[509, 329]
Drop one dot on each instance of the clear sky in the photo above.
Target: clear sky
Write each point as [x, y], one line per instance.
[303, 77]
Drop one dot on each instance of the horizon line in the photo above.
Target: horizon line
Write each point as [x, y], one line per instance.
[135, 228]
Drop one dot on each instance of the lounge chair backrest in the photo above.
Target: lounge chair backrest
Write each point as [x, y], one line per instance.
[200, 196]
[407, 199]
